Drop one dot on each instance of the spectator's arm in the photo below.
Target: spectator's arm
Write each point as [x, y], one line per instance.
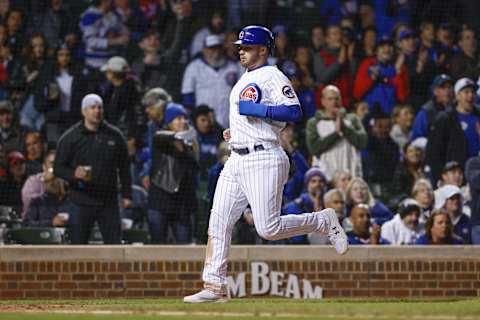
[356, 134]
[123, 165]
[323, 73]
[402, 84]
[316, 144]
[63, 166]
[363, 82]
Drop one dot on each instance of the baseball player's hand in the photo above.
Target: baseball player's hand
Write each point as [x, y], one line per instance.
[226, 135]
[126, 203]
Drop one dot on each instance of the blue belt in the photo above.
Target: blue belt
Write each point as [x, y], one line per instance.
[244, 151]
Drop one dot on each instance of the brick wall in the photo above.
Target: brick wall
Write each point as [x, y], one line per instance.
[149, 271]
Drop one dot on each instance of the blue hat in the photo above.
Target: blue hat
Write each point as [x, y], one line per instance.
[313, 172]
[255, 35]
[174, 110]
[440, 80]
[407, 33]
[384, 40]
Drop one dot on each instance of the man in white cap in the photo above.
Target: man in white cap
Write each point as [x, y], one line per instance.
[90, 156]
[454, 135]
[209, 79]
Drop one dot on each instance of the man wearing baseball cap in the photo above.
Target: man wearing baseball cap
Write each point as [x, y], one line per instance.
[442, 99]
[454, 135]
[90, 156]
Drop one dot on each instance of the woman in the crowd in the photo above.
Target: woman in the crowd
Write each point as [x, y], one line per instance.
[403, 117]
[34, 151]
[422, 192]
[439, 230]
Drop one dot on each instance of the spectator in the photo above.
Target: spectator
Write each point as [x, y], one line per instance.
[335, 10]
[216, 26]
[299, 165]
[122, 97]
[404, 228]
[367, 14]
[361, 110]
[421, 69]
[427, 39]
[472, 172]
[381, 156]
[403, 116]
[366, 49]
[171, 196]
[51, 208]
[303, 86]
[209, 80]
[5, 7]
[357, 193]
[11, 134]
[333, 64]
[11, 187]
[340, 180]
[442, 99]
[446, 48]
[103, 33]
[208, 136]
[450, 199]
[439, 230]
[303, 59]
[156, 64]
[465, 63]
[309, 201]
[132, 18]
[317, 38]
[409, 170]
[381, 79]
[452, 174]
[154, 101]
[360, 235]
[422, 192]
[215, 170]
[390, 13]
[35, 186]
[334, 138]
[35, 148]
[454, 134]
[91, 157]
[283, 48]
[15, 30]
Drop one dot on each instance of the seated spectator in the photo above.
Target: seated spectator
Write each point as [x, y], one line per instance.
[451, 201]
[409, 170]
[381, 156]
[442, 99]
[11, 187]
[299, 166]
[422, 192]
[34, 186]
[360, 217]
[340, 180]
[121, 95]
[11, 134]
[465, 63]
[209, 137]
[404, 228]
[403, 116]
[50, 209]
[154, 101]
[382, 80]
[103, 33]
[335, 137]
[439, 230]
[358, 192]
[454, 135]
[171, 198]
[333, 65]
[35, 149]
[472, 173]
[209, 80]
[452, 174]
[216, 26]
[309, 201]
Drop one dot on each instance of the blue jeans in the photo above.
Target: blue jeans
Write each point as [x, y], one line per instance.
[30, 117]
[476, 234]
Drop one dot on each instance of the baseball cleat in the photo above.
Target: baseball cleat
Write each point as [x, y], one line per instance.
[205, 296]
[336, 234]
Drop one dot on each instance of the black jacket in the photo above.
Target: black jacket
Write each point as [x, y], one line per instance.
[106, 152]
[472, 173]
[446, 142]
[171, 168]
[44, 208]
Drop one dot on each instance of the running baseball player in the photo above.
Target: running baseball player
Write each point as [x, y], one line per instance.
[260, 103]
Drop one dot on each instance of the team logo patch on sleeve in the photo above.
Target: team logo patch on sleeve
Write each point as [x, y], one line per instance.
[251, 92]
[288, 92]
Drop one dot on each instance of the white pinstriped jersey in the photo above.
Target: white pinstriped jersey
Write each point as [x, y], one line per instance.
[266, 85]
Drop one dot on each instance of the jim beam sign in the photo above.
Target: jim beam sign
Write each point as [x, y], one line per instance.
[263, 282]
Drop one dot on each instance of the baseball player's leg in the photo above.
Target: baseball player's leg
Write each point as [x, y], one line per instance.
[262, 180]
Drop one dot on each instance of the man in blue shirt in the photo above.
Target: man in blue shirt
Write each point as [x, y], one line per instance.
[361, 234]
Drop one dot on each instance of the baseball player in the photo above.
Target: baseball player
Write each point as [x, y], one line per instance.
[260, 104]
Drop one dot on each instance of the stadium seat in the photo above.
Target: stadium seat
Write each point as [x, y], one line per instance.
[36, 236]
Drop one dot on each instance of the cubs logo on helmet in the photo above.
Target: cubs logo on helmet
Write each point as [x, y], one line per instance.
[251, 92]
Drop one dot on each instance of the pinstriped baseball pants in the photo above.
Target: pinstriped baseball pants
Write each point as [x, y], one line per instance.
[256, 179]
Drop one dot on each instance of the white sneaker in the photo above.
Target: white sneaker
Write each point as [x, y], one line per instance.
[205, 296]
[336, 234]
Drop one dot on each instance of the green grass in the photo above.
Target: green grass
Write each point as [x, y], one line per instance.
[282, 309]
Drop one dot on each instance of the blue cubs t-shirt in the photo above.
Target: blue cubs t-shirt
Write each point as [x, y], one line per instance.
[470, 126]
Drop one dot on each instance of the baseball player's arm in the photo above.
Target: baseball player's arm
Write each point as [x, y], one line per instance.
[282, 112]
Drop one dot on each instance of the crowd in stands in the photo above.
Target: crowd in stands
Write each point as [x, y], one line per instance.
[390, 135]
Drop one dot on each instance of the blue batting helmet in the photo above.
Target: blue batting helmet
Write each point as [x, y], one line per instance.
[256, 35]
